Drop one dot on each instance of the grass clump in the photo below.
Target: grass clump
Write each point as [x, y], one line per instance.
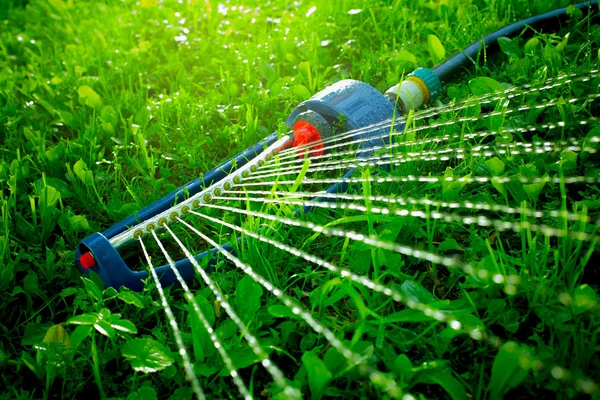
[107, 106]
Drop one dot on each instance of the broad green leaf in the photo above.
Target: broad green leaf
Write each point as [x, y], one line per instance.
[406, 315]
[203, 346]
[404, 56]
[305, 70]
[57, 334]
[130, 297]
[82, 172]
[541, 74]
[51, 110]
[561, 46]
[533, 190]
[510, 320]
[105, 314]
[267, 71]
[469, 321]
[182, 393]
[403, 367]
[507, 371]
[146, 355]
[515, 188]
[141, 118]
[360, 258]
[574, 12]
[94, 277]
[108, 128]
[318, 374]
[68, 119]
[509, 47]
[31, 283]
[308, 341]
[495, 166]
[472, 108]
[80, 333]
[568, 159]
[415, 291]
[496, 120]
[49, 196]
[592, 138]
[70, 291]
[450, 189]
[110, 292]
[31, 135]
[483, 85]
[34, 333]
[105, 328]
[532, 45]
[335, 362]
[436, 49]
[59, 5]
[584, 299]
[78, 223]
[143, 393]
[556, 315]
[552, 56]
[280, 311]
[247, 297]
[495, 307]
[56, 153]
[83, 319]
[123, 325]
[449, 244]
[108, 114]
[404, 61]
[302, 92]
[88, 97]
[92, 289]
[243, 358]
[450, 384]
[286, 328]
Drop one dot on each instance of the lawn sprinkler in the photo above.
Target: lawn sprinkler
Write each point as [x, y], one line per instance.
[357, 106]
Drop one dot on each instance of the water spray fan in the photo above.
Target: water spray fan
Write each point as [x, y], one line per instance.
[351, 105]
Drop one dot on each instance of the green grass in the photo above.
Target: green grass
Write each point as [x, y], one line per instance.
[105, 107]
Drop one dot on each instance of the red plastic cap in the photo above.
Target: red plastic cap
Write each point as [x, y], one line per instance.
[305, 133]
[87, 260]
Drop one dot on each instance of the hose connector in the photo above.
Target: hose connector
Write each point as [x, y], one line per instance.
[420, 87]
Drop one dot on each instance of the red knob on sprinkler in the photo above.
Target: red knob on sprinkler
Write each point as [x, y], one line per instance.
[87, 260]
[310, 129]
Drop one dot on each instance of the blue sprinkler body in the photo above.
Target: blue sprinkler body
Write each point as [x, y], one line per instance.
[354, 103]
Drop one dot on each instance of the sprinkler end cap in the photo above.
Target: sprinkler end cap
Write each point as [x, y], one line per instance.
[306, 134]
[87, 260]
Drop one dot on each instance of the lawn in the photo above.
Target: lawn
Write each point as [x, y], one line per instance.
[106, 106]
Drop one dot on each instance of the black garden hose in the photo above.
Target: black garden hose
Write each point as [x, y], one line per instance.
[448, 69]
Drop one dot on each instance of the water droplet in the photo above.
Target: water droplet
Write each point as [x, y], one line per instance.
[181, 38]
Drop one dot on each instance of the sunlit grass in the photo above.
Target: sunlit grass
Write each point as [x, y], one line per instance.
[107, 106]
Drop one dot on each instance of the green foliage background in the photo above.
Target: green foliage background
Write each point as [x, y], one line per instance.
[107, 105]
